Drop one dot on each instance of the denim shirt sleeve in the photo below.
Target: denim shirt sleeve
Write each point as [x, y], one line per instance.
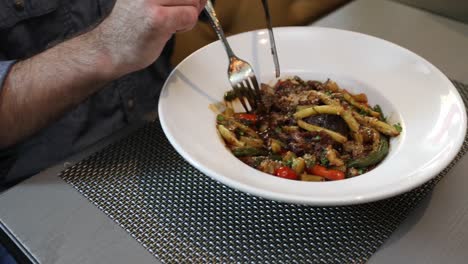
[6, 155]
[4, 69]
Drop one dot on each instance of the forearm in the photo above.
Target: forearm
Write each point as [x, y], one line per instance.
[40, 89]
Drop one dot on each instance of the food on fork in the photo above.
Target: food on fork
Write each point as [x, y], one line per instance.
[308, 131]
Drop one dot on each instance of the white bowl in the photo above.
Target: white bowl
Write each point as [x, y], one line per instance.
[409, 89]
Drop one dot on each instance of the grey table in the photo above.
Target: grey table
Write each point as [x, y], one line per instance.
[67, 228]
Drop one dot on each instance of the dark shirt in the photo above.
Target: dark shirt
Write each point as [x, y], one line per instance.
[28, 27]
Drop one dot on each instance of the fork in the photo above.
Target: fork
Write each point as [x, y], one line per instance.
[274, 52]
[240, 73]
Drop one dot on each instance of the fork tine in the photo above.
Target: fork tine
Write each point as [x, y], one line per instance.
[248, 93]
[239, 94]
[256, 91]
[238, 70]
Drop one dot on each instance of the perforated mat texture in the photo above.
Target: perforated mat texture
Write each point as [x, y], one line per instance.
[181, 215]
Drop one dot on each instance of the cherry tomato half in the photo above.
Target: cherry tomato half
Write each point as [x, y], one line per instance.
[286, 172]
[327, 173]
[248, 117]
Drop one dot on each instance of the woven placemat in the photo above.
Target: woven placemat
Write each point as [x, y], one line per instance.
[181, 215]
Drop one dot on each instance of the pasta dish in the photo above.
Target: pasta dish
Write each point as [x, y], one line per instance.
[308, 131]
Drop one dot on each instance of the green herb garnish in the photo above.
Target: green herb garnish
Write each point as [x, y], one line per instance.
[398, 127]
[324, 161]
[363, 112]
[378, 109]
[275, 157]
[288, 163]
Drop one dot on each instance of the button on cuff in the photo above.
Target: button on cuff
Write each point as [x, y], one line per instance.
[19, 5]
[130, 104]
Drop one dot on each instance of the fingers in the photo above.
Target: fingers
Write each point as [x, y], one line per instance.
[202, 4]
[176, 15]
[199, 4]
[175, 18]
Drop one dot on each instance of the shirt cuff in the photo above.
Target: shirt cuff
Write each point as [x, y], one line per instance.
[5, 67]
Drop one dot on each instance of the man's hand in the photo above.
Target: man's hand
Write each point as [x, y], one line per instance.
[40, 89]
[136, 31]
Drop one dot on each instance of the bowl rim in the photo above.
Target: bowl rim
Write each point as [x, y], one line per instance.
[393, 190]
